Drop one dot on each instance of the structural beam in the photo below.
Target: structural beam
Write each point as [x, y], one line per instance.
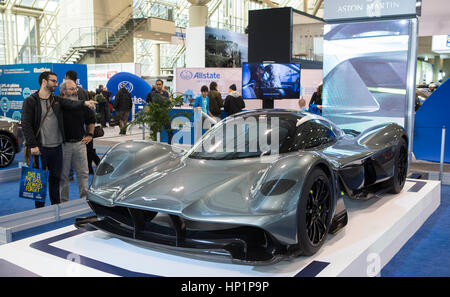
[317, 7]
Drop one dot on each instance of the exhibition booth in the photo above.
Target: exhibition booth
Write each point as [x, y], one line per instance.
[160, 210]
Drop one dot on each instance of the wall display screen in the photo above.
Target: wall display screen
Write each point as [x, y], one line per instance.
[365, 73]
[270, 81]
[225, 49]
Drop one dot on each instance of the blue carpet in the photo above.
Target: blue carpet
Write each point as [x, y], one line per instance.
[426, 254]
[10, 202]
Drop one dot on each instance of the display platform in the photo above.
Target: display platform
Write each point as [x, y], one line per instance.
[376, 230]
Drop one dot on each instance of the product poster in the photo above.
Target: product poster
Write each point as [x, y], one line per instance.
[365, 73]
[18, 82]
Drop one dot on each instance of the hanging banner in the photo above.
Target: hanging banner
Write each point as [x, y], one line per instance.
[189, 81]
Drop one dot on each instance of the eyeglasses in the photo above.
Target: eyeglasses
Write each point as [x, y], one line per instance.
[53, 81]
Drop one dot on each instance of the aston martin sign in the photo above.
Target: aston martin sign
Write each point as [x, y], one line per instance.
[357, 9]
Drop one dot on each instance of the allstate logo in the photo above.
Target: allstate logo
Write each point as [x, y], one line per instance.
[26, 93]
[186, 75]
[129, 86]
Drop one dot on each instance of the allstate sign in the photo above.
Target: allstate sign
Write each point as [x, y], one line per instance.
[190, 80]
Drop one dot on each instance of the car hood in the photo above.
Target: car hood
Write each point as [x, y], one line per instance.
[190, 187]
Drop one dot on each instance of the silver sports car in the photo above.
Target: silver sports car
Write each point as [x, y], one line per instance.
[11, 140]
[258, 187]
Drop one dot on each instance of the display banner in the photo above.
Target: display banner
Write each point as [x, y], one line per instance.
[137, 87]
[17, 82]
[190, 80]
[430, 119]
[365, 73]
[361, 9]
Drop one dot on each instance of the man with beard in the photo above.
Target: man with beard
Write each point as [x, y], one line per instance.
[76, 139]
[43, 128]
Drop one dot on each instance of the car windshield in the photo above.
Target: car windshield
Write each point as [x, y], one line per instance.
[248, 136]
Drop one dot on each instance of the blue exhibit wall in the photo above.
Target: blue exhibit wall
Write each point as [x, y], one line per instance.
[17, 82]
[430, 118]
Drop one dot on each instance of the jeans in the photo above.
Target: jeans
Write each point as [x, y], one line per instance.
[74, 153]
[51, 159]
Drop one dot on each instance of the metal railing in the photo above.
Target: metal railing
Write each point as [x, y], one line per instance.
[94, 36]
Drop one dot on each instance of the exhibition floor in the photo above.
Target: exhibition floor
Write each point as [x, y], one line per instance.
[421, 256]
[424, 254]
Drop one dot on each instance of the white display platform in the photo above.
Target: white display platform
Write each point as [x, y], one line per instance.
[376, 230]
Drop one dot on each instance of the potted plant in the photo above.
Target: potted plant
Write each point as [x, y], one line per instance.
[156, 114]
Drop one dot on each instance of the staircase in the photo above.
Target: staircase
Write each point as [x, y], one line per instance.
[101, 40]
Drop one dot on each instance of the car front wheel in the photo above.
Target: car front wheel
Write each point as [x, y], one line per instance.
[314, 212]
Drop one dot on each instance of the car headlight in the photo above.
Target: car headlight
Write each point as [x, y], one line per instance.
[277, 187]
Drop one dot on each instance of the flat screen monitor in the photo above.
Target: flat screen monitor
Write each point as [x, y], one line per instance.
[270, 81]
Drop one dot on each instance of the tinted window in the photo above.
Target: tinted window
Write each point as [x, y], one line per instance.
[312, 134]
[246, 137]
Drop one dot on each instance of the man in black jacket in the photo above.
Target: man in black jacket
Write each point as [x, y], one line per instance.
[123, 104]
[76, 139]
[48, 142]
[234, 102]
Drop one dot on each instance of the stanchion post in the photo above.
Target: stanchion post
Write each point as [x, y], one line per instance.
[441, 169]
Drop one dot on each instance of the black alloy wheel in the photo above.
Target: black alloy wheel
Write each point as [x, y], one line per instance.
[314, 212]
[7, 151]
[397, 182]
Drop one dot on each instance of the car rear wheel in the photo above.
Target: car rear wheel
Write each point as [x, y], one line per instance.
[7, 151]
[314, 212]
[400, 168]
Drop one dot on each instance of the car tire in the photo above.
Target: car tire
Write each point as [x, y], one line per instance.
[397, 182]
[314, 212]
[7, 151]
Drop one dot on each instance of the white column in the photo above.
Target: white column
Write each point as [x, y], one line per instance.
[198, 13]
[157, 59]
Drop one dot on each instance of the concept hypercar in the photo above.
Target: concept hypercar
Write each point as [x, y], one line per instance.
[240, 193]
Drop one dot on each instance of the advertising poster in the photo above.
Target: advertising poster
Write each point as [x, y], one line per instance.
[365, 73]
[190, 80]
[17, 82]
[225, 49]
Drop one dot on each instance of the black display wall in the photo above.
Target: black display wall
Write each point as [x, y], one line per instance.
[269, 35]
